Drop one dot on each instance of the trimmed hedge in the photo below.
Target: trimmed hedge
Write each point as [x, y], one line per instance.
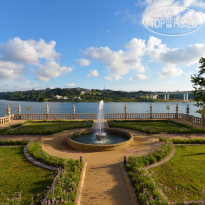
[18, 142]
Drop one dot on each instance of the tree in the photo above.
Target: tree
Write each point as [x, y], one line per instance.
[199, 88]
[199, 85]
[28, 109]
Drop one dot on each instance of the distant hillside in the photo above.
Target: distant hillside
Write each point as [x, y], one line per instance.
[79, 95]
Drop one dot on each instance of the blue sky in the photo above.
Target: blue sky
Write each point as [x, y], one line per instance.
[94, 44]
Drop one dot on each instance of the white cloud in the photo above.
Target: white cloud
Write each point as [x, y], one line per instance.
[93, 73]
[70, 85]
[51, 70]
[159, 52]
[83, 62]
[9, 70]
[142, 77]
[171, 72]
[16, 53]
[119, 63]
[28, 51]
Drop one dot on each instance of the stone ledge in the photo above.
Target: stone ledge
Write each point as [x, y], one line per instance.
[31, 159]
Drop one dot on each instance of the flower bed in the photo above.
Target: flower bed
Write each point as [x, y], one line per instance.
[145, 188]
[65, 187]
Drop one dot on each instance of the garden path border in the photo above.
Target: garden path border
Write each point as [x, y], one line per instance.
[129, 185]
[80, 185]
[166, 159]
[31, 159]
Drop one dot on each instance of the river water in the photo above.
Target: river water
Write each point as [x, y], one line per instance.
[89, 107]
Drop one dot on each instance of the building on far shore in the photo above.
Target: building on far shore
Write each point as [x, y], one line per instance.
[60, 97]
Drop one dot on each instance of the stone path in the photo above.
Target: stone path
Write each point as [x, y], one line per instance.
[104, 184]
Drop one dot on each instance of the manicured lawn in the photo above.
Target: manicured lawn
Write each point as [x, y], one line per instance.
[183, 177]
[19, 175]
[49, 127]
[155, 126]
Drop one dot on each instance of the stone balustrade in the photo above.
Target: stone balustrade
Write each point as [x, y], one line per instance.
[6, 119]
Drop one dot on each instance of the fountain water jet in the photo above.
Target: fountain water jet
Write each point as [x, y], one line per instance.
[100, 135]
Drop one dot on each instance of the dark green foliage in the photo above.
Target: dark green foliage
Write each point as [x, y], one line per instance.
[199, 85]
[22, 142]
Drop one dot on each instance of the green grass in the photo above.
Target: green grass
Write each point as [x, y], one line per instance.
[48, 127]
[183, 177]
[19, 175]
[156, 126]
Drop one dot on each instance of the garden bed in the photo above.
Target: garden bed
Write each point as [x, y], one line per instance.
[155, 126]
[183, 177]
[45, 127]
[65, 187]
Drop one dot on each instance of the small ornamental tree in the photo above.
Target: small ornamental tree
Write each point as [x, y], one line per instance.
[199, 88]
[28, 109]
[168, 108]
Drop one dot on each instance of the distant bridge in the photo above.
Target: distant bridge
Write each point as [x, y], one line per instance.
[166, 95]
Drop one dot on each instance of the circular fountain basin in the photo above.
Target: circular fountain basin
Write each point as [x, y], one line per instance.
[87, 141]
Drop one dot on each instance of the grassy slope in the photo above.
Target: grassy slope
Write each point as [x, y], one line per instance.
[48, 127]
[183, 177]
[17, 174]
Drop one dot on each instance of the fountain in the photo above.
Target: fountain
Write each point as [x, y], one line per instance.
[101, 138]
[100, 135]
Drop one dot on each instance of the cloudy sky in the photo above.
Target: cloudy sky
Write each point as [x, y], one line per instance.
[96, 44]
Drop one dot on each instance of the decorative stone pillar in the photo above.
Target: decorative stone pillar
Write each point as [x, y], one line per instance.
[9, 112]
[125, 109]
[150, 109]
[177, 111]
[47, 111]
[73, 111]
[19, 111]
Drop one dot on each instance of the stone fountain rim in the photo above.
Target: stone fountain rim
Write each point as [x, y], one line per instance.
[93, 147]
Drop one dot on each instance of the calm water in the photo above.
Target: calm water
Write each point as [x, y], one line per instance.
[91, 139]
[111, 107]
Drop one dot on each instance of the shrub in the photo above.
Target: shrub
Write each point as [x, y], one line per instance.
[22, 142]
